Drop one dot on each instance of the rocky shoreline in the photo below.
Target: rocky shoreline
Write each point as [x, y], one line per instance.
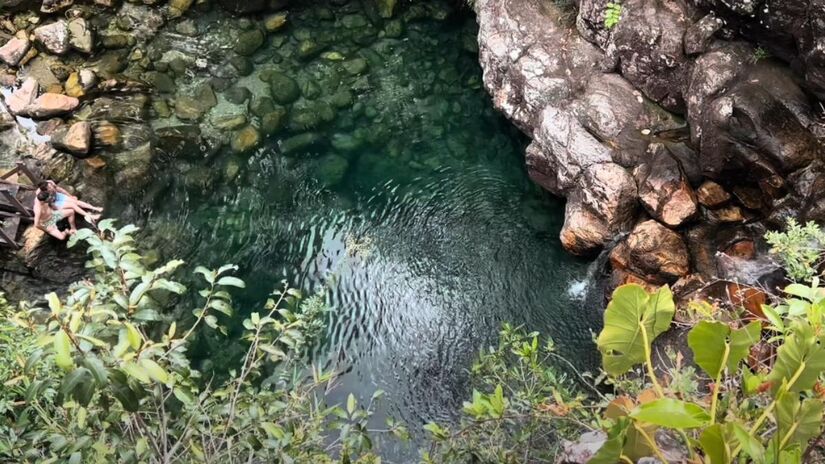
[678, 136]
[103, 95]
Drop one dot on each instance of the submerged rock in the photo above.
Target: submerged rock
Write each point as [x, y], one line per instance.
[284, 89]
[246, 140]
[331, 170]
[249, 42]
[52, 104]
[299, 142]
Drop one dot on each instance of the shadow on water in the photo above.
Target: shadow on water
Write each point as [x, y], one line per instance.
[413, 212]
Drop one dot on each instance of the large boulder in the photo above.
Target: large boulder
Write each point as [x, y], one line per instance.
[653, 252]
[664, 190]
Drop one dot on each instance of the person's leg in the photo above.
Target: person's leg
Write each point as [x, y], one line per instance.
[56, 233]
[75, 208]
[89, 206]
[69, 214]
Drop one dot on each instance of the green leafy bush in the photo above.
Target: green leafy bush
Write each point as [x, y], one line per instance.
[799, 248]
[103, 377]
[733, 422]
[520, 411]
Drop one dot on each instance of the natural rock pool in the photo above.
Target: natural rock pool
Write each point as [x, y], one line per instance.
[390, 184]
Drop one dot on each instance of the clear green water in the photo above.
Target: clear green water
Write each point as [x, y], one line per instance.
[427, 239]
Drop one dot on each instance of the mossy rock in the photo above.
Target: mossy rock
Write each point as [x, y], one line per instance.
[249, 42]
[308, 49]
[284, 89]
[342, 98]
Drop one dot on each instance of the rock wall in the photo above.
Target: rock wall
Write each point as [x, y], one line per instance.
[673, 135]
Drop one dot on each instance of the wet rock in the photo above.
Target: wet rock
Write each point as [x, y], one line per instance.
[132, 167]
[189, 108]
[355, 66]
[749, 197]
[76, 139]
[273, 121]
[112, 63]
[188, 28]
[246, 140]
[52, 104]
[309, 49]
[54, 37]
[161, 82]
[284, 89]
[726, 214]
[106, 134]
[248, 42]
[229, 121]
[300, 142]
[242, 65]
[78, 83]
[331, 170]
[178, 7]
[664, 190]
[123, 110]
[243, 6]
[354, 21]
[14, 50]
[262, 106]
[80, 36]
[712, 195]
[275, 22]
[237, 95]
[654, 252]
[386, 8]
[116, 41]
[53, 6]
[22, 98]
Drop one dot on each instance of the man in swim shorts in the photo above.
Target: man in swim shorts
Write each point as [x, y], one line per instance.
[46, 217]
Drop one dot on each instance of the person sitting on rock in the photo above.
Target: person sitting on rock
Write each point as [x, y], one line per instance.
[64, 200]
[47, 215]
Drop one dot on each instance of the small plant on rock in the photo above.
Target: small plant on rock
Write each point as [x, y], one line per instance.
[799, 249]
[612, 15]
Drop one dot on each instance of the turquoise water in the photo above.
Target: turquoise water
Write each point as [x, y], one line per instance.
[411, 209]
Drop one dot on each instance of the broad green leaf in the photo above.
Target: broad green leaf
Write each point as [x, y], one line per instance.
[438, 432]
[54, 303]
[676, 414]
[206, 273]
[801, 357]
[351, 403]
[133, 336]
[751, 446]
[96, 367]
[63, 350]
[133, 370]
[710, 341]
[715, 445]
[631, 309]
[155, 372]
[183, 396]
[611, 450]
[79, 385]
[797, 421]
[221, 306]
[774, 318]
[273, 430]
[497, 402]
[147, 315]
[138, 292]
[170, 286]
[231, 281]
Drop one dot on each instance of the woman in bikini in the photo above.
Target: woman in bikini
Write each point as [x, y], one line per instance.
[47, 215]
[64, 200]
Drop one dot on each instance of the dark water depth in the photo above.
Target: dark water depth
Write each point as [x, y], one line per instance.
[410, 207]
